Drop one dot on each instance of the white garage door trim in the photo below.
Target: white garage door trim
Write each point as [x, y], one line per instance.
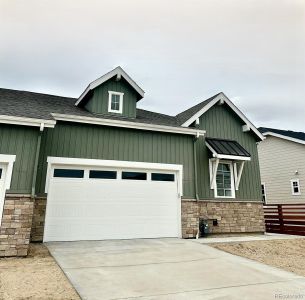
[55, 162]
[6, 164]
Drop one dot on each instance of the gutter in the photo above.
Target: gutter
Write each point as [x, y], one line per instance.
[195, 165]
[37, 152]
[127, 124]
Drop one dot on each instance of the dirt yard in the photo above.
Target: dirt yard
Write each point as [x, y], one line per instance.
[34, 277]
[285, 254]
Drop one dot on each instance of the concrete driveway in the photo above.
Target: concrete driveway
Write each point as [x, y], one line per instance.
[168, 269]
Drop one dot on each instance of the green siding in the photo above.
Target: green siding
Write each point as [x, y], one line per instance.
[221, 122]
[98, 103]
[100, 142]
[20, 141]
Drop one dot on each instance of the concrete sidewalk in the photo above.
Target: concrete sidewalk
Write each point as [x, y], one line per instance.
[168, 269]
[248, 238]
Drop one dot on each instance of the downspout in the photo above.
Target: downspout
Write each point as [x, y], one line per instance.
[195, 166]
[36, 160]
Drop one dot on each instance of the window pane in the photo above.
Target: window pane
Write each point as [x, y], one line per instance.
[134, 175]
[162, 177]
[69, 173]
[0, 173]
[228, 193]
[223, 180]
[103, 174]
[220, 192]
[115, 102]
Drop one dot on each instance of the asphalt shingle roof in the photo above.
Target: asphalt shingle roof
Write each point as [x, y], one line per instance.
[288, 133]
[40, 106]
[187, 114]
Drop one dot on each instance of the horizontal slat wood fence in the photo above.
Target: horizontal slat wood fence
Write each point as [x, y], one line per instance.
[285, 218]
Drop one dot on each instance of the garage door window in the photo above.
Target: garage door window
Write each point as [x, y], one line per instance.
[102, 174]
[68, 173]
[162, 177]
[134, 175]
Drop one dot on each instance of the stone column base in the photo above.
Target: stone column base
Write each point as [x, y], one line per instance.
[16, 225]
[38, 219]
[231, 217]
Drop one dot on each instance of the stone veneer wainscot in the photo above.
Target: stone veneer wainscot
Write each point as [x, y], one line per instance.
[16, 225]
[231, 216]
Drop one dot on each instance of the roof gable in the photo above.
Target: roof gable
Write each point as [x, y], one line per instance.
[198, 110]
[118, 72]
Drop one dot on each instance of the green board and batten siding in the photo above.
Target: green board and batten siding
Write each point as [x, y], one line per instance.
[110, 143]
[221, 122]
[20, 141]
[98, 103]
[101, 142]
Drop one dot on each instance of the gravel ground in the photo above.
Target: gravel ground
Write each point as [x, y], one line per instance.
[285, 254]
[35, 277]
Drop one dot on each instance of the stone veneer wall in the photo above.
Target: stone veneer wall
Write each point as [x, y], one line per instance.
[38, 219]
[16, 224]
[232, 217]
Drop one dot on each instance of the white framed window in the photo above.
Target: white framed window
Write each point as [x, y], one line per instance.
[115, 102]
[223, 180]
[263, 192]
[295, 187]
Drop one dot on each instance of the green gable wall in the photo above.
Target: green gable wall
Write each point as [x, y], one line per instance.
[101, 142]
[20, 141]
[221, 122]
[98, 103]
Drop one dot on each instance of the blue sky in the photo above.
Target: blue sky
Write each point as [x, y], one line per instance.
[179, 52]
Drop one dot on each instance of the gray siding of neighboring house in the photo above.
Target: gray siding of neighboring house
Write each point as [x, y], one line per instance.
[20, 141]
[221, 122]
[98, 103]
[279, 159]
[111, 143]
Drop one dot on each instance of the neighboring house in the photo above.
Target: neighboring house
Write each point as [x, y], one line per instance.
[282, 166]
[97, 167]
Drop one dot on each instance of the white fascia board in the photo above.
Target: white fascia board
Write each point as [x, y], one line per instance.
[26, 121]
[118, 71]
[233, 157]
[218, 98]
[87, 162]
[284, 137]
[9, 160]
[127, 124]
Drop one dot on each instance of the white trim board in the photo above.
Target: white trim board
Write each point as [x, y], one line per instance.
[118, 71]
[222, 98]
[27, 121]
[284, 137]
[9, 160]
[127, 124]
[68, 161]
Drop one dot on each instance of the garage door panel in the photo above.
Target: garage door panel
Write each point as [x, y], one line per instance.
[94, 209]
[111, 229]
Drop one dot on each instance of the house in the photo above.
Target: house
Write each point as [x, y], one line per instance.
[97, 167]
[282, 166]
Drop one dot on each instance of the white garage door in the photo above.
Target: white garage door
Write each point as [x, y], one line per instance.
[95, 203]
